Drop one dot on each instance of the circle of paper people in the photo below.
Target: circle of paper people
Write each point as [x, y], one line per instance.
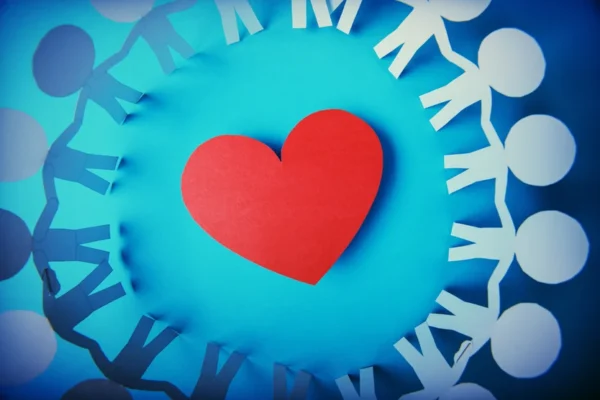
[550, 247]
[23, 145]
[27, 346]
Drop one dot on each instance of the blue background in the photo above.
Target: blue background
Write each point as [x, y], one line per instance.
[387, 281]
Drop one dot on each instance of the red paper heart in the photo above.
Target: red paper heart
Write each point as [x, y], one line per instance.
[293, 216]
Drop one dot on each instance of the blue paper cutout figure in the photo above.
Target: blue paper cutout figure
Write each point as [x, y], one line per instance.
[156, 29]
[299, 390]
[135, 358]
[46, 244]
[51, 244]
[63, 64]
[66, 163]
[67, 311]
[366, 386]
[212, 385]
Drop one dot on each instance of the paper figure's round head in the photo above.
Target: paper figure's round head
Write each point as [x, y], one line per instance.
[63, 60]
[27, 346]
[467, 391]
[460, 10]
[512, 62]
[551, 247]
[540, 150]
[526, 340]
[97, 389]
[123, 10]
[23, 145]
[15, 244]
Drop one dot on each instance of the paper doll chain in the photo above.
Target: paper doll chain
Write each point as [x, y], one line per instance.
[498, 244]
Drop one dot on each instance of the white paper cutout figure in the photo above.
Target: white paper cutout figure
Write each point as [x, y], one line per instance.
[472, 320]
[510, 62]
[436, 376]
[366, 386]
[467, 391]
[526, 340]
[427, 20]
[551, 247]
[539, 150]
[228, 10]
[299, 15]
[349, 13]
[487, 243]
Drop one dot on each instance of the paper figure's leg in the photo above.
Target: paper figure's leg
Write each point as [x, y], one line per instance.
[113, 108]
[426, 341]
[467, 318]
[458, 161]
[93, 182]
[97, 161]
[443, 321]
[466, 232]
[437, 96]
[160, 342]
[410, 354]
[321, 13]
[165, 59]
[248, 17]
[392, 41]
[346, 388]
[91, 255]
[406, 53]
[464, 253]
[93, 234]
[180, 45]
[95, 278]
[299, 16]
[229, 21]
[107, 296]
[301, 385]
[447, 114]
[124, 92]
[348, 16]
[213, 385]
[462, 180]
[140, 333]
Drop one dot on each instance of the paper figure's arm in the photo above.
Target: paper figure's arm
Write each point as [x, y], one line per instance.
[49, 182]
[72, 130]
[176, 6]
[119, 56]
[443, 41]
[43, 224]
[212, 384]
